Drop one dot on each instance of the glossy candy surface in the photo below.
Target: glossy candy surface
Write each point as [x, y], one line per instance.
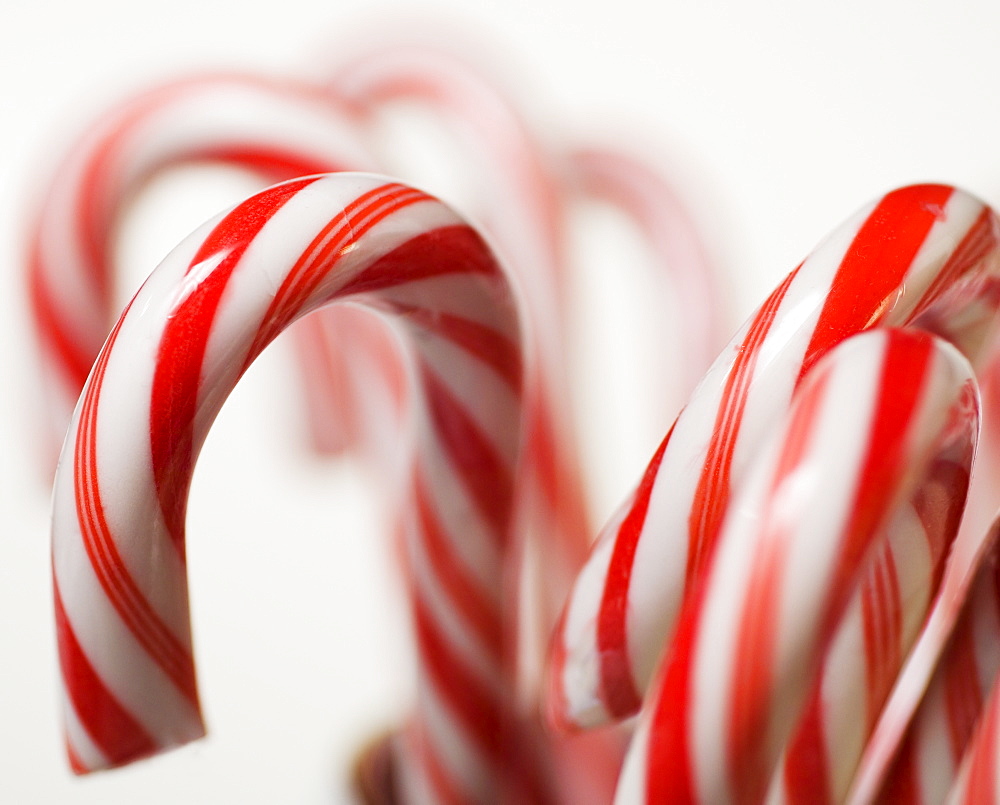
[185, 340]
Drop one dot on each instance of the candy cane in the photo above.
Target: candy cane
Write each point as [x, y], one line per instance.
[925, 256]
[926, 763]
[977, 782]
[797, 537]
[523, 207]
[277, 129]
[180, 347]
[628, 182]
[519, 205]
[871, 642]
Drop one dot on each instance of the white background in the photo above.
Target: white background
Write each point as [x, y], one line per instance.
[776, 120]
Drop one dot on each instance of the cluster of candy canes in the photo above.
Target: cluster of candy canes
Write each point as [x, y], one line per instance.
[232, 119]
[758, 609]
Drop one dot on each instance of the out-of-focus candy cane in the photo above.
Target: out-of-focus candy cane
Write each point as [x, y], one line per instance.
[279, 129]
[923, 256]
[926, 764]
[871, 423]
[522, 191]
[627, 182]
[183, 343]
[977, 782]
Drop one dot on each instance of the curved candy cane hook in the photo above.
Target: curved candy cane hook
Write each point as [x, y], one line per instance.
[277, 129]
[174, 356]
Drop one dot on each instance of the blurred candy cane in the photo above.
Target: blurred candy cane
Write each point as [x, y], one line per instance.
[516, 198]
[868, 428]
[926, 763]
[178, 350]
[977, 782]
[628, 182]
[523, 190]
[923, 256]
[278, 129]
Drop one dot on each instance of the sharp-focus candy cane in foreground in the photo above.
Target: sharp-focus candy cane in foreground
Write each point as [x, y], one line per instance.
[872, 424]
[873, 638]
[926, 763]
[922, 256]
[278, 129]
[178, 350]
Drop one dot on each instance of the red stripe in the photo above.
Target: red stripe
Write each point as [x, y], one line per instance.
[874, 267]
[902, 786]
[712, 493]
[476, 708]
[940, 505]
[978, 242]
[882, 619]
[76, 764]
[456, 249]
[749, 766]
[109, 725]
[325, 251]
[908, 358]
[479, 613]
[618, 690]
[271, 161]
[962, 692]
[669, 775]
[70, 352]
[806, 774]
[485, 475]
[176, 391]
[485, 344]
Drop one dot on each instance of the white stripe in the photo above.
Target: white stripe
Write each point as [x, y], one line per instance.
[581, 674]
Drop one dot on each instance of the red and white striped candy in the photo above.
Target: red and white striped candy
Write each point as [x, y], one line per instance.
[278, 129]
[178, 350]
[923, 256]
[515, 195]
[978, 782]
[872, 639]
[927, 761]
[870, 424]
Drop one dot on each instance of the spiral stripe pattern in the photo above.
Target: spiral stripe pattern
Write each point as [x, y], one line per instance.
[173, 357]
